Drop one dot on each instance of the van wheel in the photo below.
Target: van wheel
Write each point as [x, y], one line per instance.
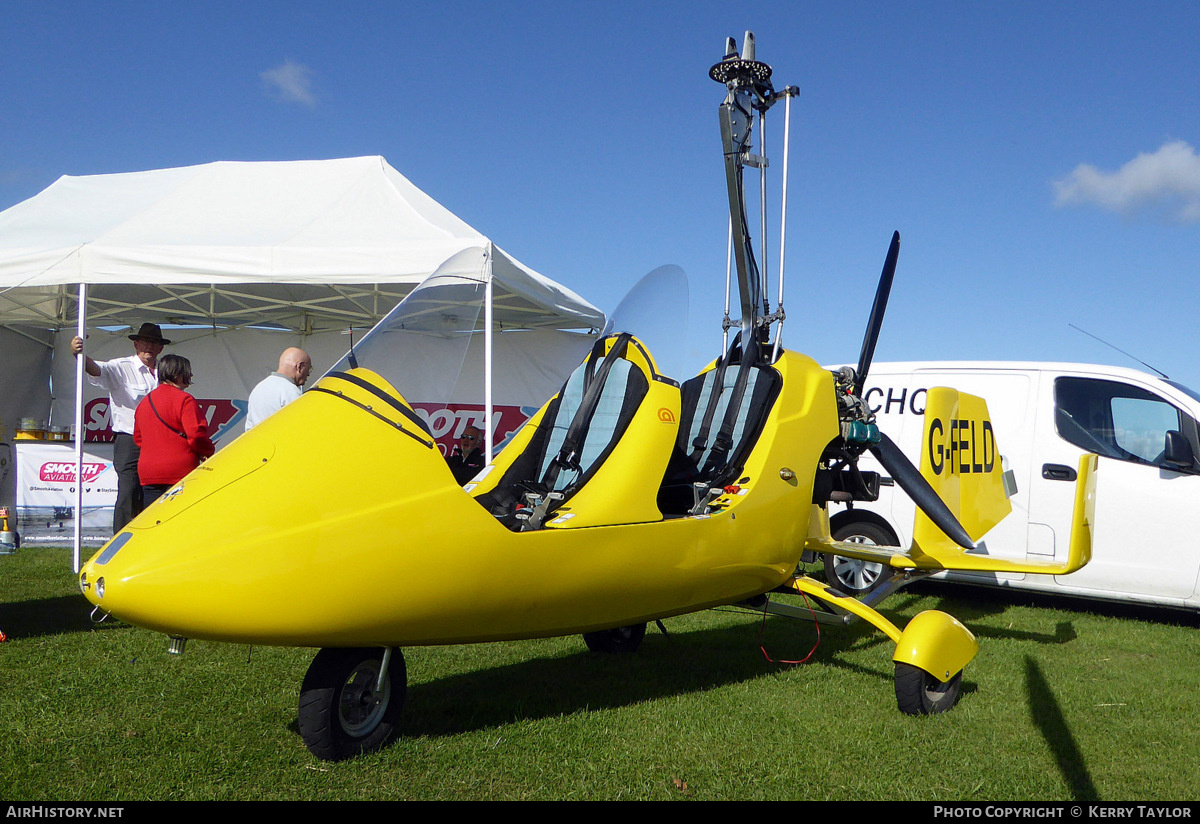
[919, 693]
[850, 575]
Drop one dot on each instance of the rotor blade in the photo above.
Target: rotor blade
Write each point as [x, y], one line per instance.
[877, 309]
[909, 478]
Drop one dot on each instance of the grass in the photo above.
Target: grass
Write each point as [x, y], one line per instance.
[1066, 701]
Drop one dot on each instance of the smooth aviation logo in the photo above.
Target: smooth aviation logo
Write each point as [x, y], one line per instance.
[63, 472]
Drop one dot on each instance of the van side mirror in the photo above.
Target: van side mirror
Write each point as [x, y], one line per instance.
[1177, 453]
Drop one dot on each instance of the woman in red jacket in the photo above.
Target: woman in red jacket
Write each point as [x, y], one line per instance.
[170, 429]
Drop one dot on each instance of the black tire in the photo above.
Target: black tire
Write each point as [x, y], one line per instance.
[617, 639]
[850, 575]
[919, 693]
[340, 714]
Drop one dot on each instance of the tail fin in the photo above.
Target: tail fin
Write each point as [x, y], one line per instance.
[961, 460]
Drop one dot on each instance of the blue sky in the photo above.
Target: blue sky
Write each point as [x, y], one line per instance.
[1038, 159]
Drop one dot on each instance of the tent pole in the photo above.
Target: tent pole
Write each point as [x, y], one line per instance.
[81, 331]
[487, 360]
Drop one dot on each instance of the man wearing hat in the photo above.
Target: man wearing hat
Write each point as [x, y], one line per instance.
[127, 381]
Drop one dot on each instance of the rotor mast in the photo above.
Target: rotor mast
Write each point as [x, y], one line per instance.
[750, 93]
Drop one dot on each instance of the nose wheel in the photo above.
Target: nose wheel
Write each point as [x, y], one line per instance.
[345, 707]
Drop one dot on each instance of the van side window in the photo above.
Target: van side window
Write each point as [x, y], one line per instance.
[1113, 419]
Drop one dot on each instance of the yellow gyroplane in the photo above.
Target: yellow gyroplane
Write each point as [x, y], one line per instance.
[627, 498]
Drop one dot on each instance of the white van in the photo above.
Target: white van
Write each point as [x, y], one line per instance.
[1146, 538]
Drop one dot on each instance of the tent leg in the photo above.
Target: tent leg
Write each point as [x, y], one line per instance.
[487, 366]
[81, 331]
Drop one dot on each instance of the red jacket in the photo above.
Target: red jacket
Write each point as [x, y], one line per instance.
[169, 455]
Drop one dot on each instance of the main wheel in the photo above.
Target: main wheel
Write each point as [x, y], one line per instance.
[618, 639]
[342, 713]
[850, 575]
[919, 693]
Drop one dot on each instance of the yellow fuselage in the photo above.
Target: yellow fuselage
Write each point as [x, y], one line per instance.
[327, 525]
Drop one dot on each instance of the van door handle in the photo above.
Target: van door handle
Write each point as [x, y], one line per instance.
[1057, 472]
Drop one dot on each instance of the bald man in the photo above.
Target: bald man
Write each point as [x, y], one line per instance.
[279, 388]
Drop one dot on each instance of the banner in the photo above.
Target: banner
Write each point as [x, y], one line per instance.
[225, 416]
[446, 422]
[45, 492]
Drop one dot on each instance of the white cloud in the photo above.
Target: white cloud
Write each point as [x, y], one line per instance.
[1166, 182]
[291, 82]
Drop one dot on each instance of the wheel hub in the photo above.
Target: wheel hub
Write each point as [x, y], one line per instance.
[935, 690]
[360, 707]
[859, 574]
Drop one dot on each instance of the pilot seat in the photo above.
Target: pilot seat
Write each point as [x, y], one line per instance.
[723, 412]
[583, 460]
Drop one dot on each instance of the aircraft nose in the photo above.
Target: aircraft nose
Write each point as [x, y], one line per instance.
[251, 546]
[91, 578]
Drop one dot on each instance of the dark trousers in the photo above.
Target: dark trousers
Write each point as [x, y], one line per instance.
[129, 488]
[152, 492]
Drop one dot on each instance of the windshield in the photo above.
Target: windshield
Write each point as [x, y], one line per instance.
[419, 347]
[430, 347]
[656, 311]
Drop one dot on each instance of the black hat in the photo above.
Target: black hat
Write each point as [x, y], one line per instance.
[150, 332]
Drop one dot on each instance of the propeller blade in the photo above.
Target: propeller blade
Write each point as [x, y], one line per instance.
[877, 309]
[909, 478]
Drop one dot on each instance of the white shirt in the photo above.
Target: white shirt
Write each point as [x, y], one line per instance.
[273, 392]
[127, 380]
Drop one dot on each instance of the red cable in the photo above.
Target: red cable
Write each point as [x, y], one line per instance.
[816, 624]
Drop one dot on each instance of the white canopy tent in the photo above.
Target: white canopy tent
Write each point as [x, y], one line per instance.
[307, 246]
